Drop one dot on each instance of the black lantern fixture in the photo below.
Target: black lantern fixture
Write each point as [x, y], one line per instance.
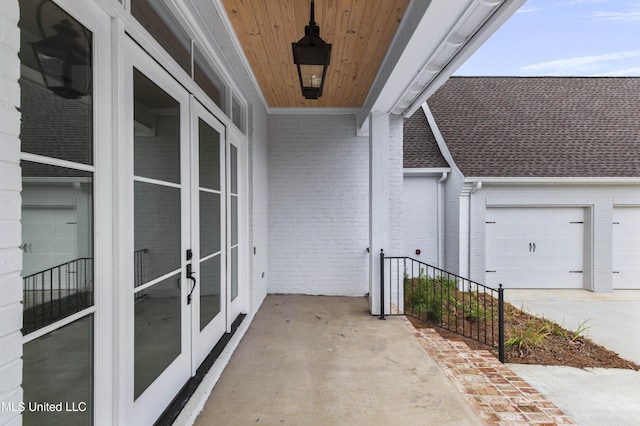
[311, 54]
[64, 62]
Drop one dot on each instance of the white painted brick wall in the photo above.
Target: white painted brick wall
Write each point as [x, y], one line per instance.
[258, 169]
[10, 182]
[318, 205]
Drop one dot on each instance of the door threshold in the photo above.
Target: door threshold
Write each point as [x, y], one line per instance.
[172, 412]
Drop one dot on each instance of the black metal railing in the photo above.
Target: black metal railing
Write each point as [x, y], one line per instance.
[443, 299]
[62, 290]
[56, 293]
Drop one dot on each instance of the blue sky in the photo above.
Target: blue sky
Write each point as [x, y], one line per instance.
[563, 38]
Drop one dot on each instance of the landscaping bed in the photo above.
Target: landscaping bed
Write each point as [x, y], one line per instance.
[437, 303]
[535, 341]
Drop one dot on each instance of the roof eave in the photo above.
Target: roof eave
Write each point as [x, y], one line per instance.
[432, 41]
[555, 180]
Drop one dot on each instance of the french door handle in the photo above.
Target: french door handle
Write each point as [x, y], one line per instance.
[534, 247]
[193, 286]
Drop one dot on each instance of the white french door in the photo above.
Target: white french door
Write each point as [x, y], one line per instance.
[157, 320]
[183, 203]
[208, 234]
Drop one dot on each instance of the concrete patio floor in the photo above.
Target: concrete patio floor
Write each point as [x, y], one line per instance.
[325, 360]
[315, 360]
[589, 396]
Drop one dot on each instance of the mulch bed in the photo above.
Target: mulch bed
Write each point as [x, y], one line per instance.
[562, 347]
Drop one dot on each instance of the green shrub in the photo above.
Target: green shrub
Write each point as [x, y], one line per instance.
[430, 298]
[527, 338]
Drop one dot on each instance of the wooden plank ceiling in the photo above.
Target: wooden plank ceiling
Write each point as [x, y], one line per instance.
[360, 31]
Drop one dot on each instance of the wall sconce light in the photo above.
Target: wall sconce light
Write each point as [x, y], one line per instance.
[64, 62]
[311, 54]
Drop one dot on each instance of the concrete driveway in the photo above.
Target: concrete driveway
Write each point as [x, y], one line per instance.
[589, 396]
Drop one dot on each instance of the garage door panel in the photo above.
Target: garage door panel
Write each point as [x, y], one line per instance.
[535, 247]
[626, 248]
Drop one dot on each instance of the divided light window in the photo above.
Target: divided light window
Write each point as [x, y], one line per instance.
[57, 166]
[158, 20]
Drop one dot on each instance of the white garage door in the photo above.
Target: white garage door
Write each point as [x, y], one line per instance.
[626, 248]
[535, 247]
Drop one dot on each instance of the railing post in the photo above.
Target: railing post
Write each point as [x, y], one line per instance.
[501, 324]
[382, 285]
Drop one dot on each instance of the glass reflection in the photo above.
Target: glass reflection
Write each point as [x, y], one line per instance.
[234, 220]
[234, 273]
[209, 223]
[161, 24]
[156, 230]
[156, 131]
[54, 123]
[58, 369]
[234, 169]
[209, 290]
[207, 78]
[209, 155]
[157, 331]
[57, 243]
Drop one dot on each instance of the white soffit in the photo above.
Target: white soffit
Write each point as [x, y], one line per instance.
[449, 31]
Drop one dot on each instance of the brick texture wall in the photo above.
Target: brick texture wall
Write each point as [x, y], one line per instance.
[318, 205]
[10, 254]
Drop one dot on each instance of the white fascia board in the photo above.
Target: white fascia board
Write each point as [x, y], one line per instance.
[425, 50]
[555, 180]
[430, 171]
[442, 144]
[499, 13]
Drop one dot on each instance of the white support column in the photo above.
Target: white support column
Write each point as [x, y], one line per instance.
[379, 195]
[464, 230]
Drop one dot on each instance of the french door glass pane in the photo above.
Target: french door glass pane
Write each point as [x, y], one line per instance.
[234, 273]
[234, 169]
[233, 198]
[157, 131]
[157, 234]
[209, 223]
[57, 121]
[58, 369]
[234, 220]
[209, 155]
[57, 243]
[209, 290]
[156, 230]
[157, 331]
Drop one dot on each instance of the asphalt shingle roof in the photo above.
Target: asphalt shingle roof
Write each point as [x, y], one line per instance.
[420, 149]
[541, 126]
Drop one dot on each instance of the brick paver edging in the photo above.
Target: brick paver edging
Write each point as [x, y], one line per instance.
[499, 395]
